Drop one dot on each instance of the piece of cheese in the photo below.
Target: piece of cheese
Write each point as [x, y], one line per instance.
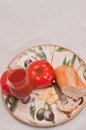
[52, 99]
[45, 95]
[52, 91]
[49, 96]
[55, 97]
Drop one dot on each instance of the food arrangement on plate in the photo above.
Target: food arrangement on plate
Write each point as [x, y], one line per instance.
[58, 79]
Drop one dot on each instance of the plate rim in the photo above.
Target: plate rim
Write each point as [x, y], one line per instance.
[54, 45]
[44, 125]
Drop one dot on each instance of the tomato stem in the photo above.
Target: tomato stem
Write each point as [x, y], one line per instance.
[39, 71]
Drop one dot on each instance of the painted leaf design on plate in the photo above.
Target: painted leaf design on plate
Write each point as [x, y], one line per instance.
[41, 54]
[49, 107]
[70, 61]
[33, 123]
[61, 49]
[84, 73]
[65, 62]
[73, 59]
[79, 60]
[32, 109]
[13, 101]
[7, 99]
[8, 67]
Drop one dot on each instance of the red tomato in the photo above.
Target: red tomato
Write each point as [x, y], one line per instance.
[42, 73]
[4, 85]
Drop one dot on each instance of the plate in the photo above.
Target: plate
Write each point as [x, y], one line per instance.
[27, 112]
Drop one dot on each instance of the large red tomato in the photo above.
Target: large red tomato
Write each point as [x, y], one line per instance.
[42, 73]
[4, 86]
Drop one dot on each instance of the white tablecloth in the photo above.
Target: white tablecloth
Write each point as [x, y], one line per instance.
[61, 22]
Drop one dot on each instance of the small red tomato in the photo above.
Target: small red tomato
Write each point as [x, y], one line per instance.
[4, 85]
[42, 73]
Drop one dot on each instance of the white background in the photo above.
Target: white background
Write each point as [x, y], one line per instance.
[60, 22]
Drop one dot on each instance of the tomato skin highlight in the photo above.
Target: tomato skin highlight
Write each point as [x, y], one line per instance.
[4, 86]
[42, 73]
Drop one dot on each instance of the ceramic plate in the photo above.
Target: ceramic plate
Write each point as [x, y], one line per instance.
[27, 112]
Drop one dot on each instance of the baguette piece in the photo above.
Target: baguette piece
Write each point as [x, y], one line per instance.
[69, 81]
[69, 107]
